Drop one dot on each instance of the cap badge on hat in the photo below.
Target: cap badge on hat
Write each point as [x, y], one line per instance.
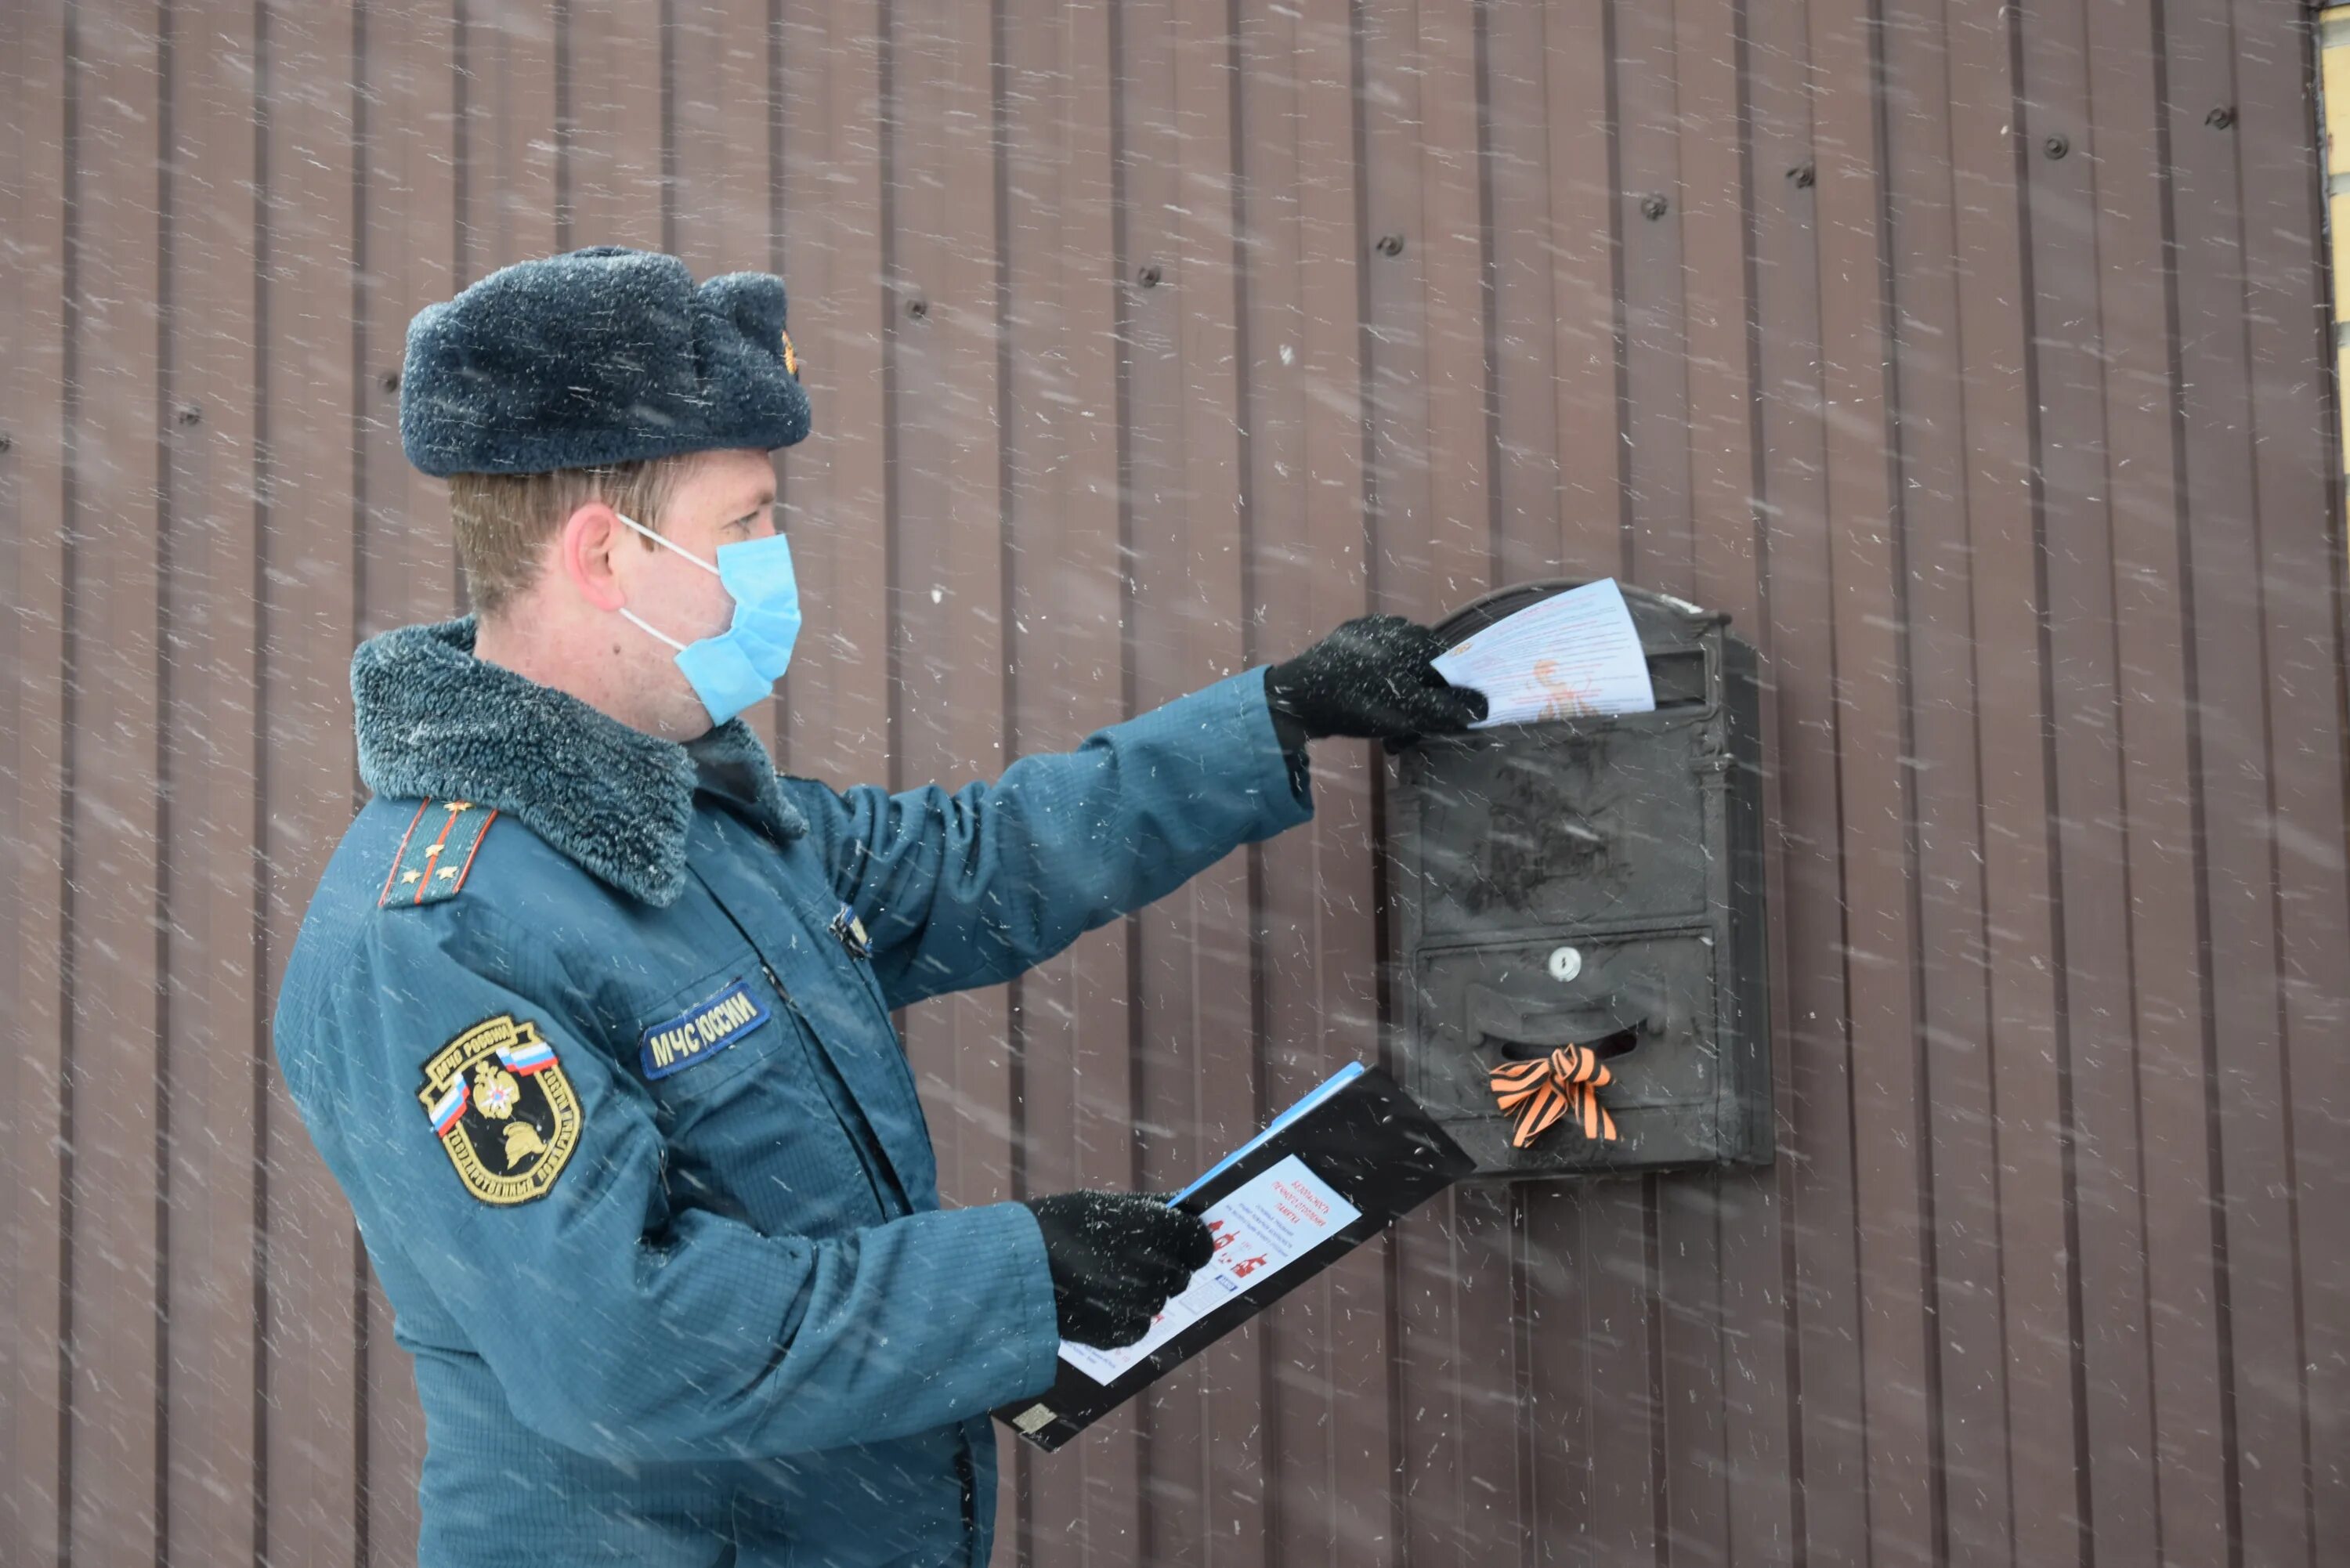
[791, 360]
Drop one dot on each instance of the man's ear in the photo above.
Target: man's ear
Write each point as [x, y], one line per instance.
[584, 549]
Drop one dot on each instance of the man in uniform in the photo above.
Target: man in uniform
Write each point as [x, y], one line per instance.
[590, 1014]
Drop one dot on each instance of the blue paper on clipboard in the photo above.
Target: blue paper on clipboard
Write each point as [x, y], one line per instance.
[1329, 1087]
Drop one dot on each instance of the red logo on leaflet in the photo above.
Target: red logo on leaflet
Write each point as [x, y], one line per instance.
[1224, 1234]
[1247, 1266]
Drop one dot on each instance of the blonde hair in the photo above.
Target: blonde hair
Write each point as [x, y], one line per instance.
[504, 521]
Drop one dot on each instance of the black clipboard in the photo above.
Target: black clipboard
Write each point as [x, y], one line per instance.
[1368, 1141]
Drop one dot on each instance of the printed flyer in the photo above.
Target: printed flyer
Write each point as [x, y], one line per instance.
[1261, 1228]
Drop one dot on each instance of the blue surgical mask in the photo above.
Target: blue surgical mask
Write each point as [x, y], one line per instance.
[742, 664]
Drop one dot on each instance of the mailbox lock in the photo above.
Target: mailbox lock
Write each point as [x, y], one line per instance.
[1566, 963]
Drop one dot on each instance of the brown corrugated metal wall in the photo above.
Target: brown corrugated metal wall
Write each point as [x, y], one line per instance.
[1973, 356]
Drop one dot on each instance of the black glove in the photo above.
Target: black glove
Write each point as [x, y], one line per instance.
[1371, 677]
[1117, 1258]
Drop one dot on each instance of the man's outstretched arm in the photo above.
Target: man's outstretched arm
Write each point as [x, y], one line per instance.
[969, 888]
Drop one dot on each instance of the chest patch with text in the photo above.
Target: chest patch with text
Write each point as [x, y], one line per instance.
[701, 1031]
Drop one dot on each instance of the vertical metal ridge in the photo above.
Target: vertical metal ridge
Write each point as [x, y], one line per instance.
[1844, 1032]
[1530, 1552]
[1358, 148]
[885, 133]
[1489, 304]
[567, 127]
[2325, 36]
[68, 675]
[2333, 30]
[1245, 390]
[2333, 122]
[670, 159]
[361, 299]
[2280, 1010]
[1619, 335]
[779, 727]
[1843, 1029]
[2052, 849]
[1022, 1523]
[1244, 386]
[1871, 316]
[1376, 807]
[461, 150]
[1983, 922]
[362, 1489]
[1750, 271]
[1652, 1295]
[2128, 869]
[1899, 525]
[166, 528]
[1799, 1518]
[461, 211]
[2191, 661]
[777, 185]
[1519, 1371]
[999, 72]
[264, 476]
[1129, 681]
[1766, 649]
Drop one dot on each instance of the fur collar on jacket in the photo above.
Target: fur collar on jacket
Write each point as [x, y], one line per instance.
[435, 722]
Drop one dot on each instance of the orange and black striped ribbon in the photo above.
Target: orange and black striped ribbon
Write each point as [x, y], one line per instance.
[1545, 1091]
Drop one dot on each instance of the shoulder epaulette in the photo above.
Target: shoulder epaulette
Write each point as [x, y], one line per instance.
[436, 852]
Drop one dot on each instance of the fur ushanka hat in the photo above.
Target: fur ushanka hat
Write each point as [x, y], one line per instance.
[605, 354]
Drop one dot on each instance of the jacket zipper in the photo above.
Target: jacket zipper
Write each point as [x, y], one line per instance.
[812, 1047]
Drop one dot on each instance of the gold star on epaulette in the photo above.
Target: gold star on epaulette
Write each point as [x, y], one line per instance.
[411, 877]
[447, 873]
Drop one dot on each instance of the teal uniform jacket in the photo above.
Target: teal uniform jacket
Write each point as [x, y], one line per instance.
[594, 1031]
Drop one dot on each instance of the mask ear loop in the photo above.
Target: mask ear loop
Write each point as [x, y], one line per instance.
[672, 544]
[631, 615]
[633, 619]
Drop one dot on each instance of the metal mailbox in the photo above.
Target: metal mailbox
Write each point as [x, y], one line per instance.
[1595, 882]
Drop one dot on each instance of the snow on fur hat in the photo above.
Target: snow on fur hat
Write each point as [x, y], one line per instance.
[605, 354]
